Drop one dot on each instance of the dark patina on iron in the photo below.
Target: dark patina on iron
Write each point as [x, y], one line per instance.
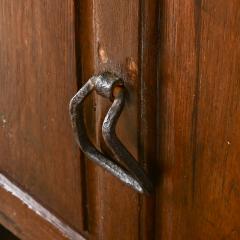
[128, 170]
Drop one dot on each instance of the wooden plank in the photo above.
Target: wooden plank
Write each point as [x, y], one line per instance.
[217, 176]
[37, 80]
[27, 218]
[110, 39]
[148, 111]
[198, 196]
[176, 121]
[85, 56]
[115, 42]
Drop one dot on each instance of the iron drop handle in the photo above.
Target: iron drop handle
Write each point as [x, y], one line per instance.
[126, 168]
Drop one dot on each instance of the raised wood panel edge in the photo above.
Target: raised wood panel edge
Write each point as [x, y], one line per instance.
[28, 219]
[149, 34]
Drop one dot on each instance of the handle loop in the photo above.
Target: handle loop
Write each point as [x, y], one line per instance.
[127, 169]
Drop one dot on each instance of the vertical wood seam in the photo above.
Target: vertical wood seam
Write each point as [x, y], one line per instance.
[158, 125]
[77, 23]
[197, 14]
[145, 45]
[140, 106]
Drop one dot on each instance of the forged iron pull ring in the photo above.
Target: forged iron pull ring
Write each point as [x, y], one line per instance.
[126, 169]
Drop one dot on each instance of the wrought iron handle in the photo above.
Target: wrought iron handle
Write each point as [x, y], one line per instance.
[127, 169]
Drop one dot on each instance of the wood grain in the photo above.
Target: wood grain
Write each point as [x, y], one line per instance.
[110, 40]
[180, 63]
[37, 80]
[116, 212]
[27, 218]
[148, 109]
[199, 121]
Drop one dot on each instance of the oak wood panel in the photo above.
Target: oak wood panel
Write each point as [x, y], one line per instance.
[177, 83]
[148, 109]
[26, 218]
[114, 36]
[37, 80]
[85, 50]
[198, 195]
[217, 176]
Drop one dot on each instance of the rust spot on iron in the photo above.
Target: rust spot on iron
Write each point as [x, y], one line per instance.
[102, 54]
